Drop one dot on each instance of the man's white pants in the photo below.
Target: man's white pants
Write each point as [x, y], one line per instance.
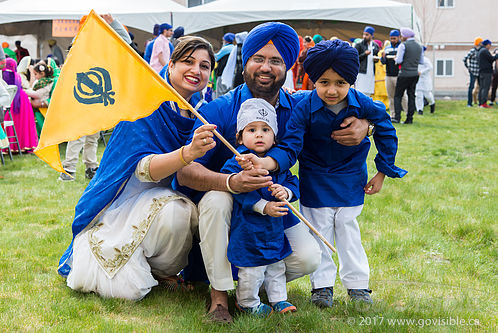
[251, 279]
[215, 212]
[419, 98]
[339, 224]
[89, 143]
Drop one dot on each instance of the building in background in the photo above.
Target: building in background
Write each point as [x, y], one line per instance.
[448, 30]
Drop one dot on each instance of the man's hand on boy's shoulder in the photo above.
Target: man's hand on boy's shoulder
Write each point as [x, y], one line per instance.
[353, 132]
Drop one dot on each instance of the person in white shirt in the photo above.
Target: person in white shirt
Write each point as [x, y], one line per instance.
[424, 86]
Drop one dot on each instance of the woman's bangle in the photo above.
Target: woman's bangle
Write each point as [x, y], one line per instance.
[181, 157]
[228, 184]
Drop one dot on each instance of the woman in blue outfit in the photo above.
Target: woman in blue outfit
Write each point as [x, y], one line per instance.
[130, 227]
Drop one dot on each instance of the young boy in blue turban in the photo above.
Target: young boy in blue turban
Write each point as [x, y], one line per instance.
[333, 177]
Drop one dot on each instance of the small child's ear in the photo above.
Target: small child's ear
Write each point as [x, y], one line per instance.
[238, 138]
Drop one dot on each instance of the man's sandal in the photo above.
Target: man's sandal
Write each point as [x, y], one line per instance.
[174, 283]
[220, 315]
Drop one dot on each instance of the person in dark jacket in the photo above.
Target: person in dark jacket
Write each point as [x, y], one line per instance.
[21, 52]
[494, 84]
[409, 56]
[367, 49]
[485, 72]
[471, 62]
[392, 70]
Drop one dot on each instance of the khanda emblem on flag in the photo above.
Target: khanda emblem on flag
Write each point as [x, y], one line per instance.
[94, 87]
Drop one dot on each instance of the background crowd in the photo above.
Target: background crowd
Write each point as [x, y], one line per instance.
[381, 77]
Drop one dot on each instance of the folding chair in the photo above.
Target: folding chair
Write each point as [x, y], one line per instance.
[10, 123]
[105, 133]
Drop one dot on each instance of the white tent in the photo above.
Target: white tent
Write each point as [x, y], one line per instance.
[141, 14]
[228, 12]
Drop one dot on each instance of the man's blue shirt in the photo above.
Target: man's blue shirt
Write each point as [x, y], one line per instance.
[223, 113]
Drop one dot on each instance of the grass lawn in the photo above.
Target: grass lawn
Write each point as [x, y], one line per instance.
[430, 239]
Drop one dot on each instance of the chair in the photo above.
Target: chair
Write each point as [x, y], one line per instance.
[105, 133]
[10, 123]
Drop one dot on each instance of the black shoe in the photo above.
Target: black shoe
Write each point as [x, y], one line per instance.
[66, 178]
[323, 297]
[90, 172]
[360, 295]
[420, 112]
[433, 108]
[395, 121]
[408, 121]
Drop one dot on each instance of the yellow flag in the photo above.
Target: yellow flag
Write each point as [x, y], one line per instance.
[102, 82]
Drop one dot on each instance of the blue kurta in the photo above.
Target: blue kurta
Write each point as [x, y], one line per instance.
[330, 174]
[255, 239]
[223, 113]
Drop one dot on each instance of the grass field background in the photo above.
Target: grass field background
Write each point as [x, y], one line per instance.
[430, 239]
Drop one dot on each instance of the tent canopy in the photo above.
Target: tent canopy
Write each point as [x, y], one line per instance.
[141, 14]
[228, 12]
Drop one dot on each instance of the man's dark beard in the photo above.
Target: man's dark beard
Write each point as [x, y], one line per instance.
[267, 92]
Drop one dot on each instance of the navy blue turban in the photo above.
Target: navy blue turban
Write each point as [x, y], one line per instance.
[283, 37]
[164, 26]
[486, 42]
[369, 29]
[229, 37]
[179, 32]
[335, 54]
[156, 30]
[394, 33]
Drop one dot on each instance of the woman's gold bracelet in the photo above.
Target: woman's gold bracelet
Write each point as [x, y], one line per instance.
[181, 157]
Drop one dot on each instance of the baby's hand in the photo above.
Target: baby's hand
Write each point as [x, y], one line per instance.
[375, 184]
[275, 209]
[278, 191]
[249, 161]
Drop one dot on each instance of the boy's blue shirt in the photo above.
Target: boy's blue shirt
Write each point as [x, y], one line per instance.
[331, 174]
[223, 113]
[255, 239]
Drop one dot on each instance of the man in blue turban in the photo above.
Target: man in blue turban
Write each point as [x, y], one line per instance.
[268, 52]
[367, 49]
[161, 51]
[392, 70]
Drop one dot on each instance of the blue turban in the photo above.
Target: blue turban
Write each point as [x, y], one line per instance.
[164, 26]
[179, 32]
[283, 37]
[229, 37]
[155, 31]
[486, 42]
[369, 29]
[394, 33]
[335, 54]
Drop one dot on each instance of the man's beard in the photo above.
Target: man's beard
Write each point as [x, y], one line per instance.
[266, 92]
